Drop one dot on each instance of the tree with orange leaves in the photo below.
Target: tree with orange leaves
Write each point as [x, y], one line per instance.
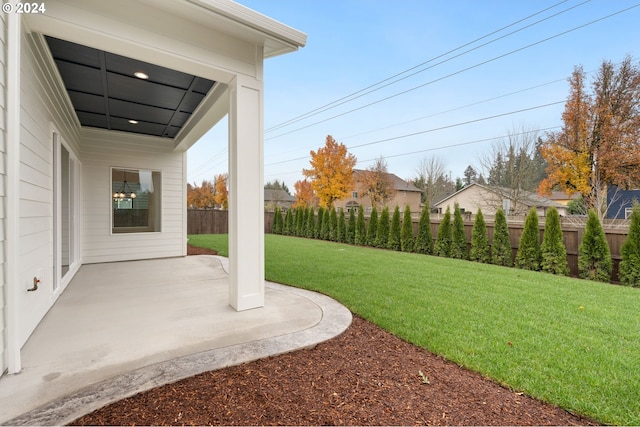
[201, 197]
[331, 172]
[304, 194]
[599, 143]
[222, 195]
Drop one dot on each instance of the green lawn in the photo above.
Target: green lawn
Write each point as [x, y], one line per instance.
[571, 342]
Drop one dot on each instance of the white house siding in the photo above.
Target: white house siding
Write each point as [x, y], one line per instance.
[103, 150]
[3, 101]
[43, 106]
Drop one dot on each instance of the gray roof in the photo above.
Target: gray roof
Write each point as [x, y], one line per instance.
[271, 195]
[397, 183]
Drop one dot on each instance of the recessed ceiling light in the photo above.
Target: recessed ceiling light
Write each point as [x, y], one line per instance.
[141, 75]
[133, 122]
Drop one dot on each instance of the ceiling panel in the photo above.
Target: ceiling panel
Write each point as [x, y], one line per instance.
[106, 94]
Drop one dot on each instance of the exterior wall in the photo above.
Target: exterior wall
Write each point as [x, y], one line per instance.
[3, 148]
[398, 198]
[470, 199]
[620, 200]
[42, 106]
[102, 150]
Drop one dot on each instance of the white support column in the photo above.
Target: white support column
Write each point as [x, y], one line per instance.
[246, 194]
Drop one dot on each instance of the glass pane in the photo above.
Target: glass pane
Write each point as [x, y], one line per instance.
[135, 198]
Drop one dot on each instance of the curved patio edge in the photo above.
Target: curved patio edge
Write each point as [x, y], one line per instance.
[335, 320]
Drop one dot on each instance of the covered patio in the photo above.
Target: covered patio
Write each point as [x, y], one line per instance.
[124, 327]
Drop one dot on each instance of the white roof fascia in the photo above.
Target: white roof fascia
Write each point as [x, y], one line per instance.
[280, 38]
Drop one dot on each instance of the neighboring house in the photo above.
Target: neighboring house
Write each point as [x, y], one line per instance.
[489, 199]
[277, 198]
[402, 193]
[620, 202]
[100, 102]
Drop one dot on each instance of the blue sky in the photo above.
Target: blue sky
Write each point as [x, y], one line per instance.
[354, 44]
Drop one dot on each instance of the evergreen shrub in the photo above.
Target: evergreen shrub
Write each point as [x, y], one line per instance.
[442, 246]
[351, 227]
[594, 256]
[372, 227]
[382, 233]
[394, 233]
[361, 229]
[501, 245]
[459, 239]
[479, 240]
[553, 252]
[630, 252]
[528, 256]
[407, 242]
[424, 242]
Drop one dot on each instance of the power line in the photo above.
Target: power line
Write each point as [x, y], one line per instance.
[346, 98]
[458, 72]
[431, 130]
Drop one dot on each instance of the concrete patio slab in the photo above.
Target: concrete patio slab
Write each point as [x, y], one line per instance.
[121, 328]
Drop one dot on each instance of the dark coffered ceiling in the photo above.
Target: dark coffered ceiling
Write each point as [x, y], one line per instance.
[107, 94]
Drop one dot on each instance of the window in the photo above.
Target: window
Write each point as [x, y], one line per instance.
[627, 213]
[354, 194]
[135, 198]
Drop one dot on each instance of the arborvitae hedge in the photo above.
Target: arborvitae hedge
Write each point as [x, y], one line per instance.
[479, 239]
[630, 252]
[318, 231]
[310, 231]
[342, 227]
[407, 241]
[594, 256]
[333, 225]
[528, 256]
[277, 221]
[553, 252]
[351, 228]
[442, 246]
[382, 233]
[459, 239]
[501, 245]
[424, 242]
[394, 233]
[361, 229]
[373, 227]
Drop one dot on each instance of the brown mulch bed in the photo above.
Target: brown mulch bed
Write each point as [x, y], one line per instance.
[365, 376]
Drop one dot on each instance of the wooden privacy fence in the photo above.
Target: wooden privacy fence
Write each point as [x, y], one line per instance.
[207, 221]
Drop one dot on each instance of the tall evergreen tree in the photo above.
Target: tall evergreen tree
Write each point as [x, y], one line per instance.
[407, 241]
[553, 252]
[594, 256]
[459, 238]
[630, 252]
[382, 233]
[277, 221]
[528, 256]
[318, 233]
[373, 227]
[394, 233]
[351, 228]
[342, 227]
[424, 242]
[333, 225]
[311, 224]
[361, 229]
[442, 246]
[479, 239]
[501, 245]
